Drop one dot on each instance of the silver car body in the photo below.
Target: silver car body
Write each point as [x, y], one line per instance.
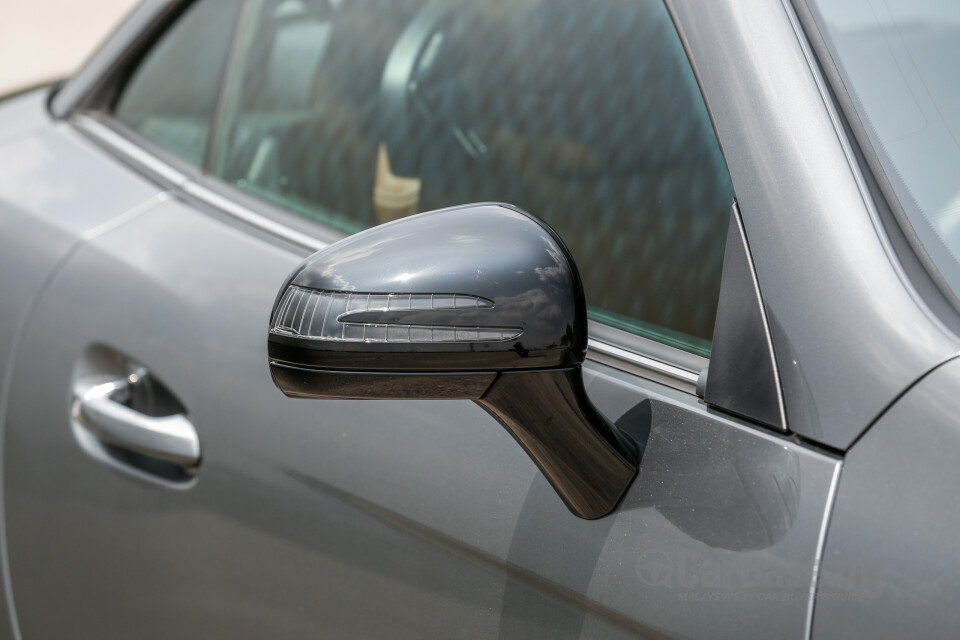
[344, 518]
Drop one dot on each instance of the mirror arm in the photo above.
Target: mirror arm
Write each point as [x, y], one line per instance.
[582, 454]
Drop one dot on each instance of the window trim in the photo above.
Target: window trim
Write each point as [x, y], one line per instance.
[607, 345]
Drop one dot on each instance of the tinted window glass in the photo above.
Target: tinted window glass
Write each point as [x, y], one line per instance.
[171, 97]
[583, 112]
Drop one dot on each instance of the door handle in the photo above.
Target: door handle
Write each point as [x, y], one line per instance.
[101, 410]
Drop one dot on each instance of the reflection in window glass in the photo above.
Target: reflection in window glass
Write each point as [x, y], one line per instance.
[583, 112]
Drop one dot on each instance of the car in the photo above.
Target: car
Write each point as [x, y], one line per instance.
[500, 319]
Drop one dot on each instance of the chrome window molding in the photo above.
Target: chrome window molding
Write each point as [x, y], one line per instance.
[665, 373]
[262, 222]
[639, 356]
[148, 164]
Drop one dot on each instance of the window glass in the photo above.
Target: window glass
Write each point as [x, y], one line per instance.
[171, 97]
[585, 113]
[898, 60]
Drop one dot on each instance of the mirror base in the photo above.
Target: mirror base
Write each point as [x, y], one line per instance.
[583, 456]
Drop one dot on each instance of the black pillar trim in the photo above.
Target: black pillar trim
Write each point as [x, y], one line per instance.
[743, 377]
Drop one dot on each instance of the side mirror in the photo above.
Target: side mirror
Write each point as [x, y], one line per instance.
[481, 302]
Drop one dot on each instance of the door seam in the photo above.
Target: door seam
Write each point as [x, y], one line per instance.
[821, 545]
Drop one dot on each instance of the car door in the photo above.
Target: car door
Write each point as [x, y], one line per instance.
[400, 518]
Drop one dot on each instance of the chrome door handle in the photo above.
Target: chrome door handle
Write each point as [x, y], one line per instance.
[101, 411]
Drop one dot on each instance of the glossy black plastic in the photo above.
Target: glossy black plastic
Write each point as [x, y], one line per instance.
[308, 382]
[582, 454]
[743, 372]
[411, 300]
[489, 251]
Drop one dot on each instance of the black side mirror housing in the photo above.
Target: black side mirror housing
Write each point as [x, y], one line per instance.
[480, 302]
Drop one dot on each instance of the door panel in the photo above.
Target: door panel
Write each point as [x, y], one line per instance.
[354, 519]
[892, 555]
[55, 191]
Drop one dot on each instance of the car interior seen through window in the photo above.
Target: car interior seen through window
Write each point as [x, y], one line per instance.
[585, 113]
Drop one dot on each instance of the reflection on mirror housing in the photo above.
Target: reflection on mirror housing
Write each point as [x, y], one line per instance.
[480, 302]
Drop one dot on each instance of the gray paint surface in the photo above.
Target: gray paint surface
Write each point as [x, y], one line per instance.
[891, 566]
[373, 518]
[23, 114]
[54, 192]
[849, 330]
